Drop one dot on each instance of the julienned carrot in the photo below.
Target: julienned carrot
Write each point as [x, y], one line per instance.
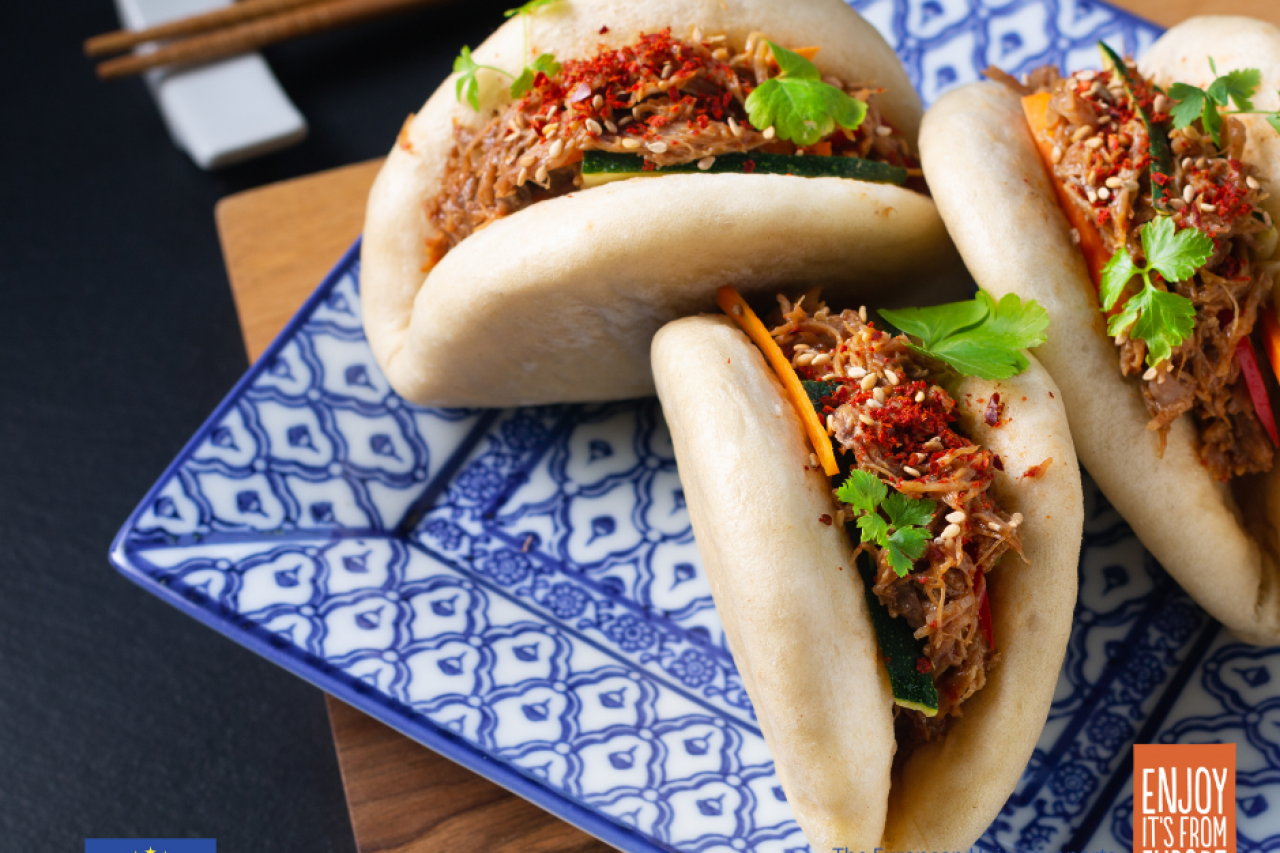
[1036, 109]
[733, 304]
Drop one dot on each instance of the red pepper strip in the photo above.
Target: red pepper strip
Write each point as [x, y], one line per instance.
[984, 609]
[1271, 338]
[1257, 388]
[1035, 108]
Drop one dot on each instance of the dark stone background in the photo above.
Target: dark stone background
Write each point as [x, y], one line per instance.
[119, 716]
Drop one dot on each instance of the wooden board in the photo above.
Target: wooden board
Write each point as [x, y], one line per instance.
[279, 242]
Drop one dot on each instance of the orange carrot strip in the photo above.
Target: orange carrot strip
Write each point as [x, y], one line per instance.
[1271, 337]
[732, 304]
[1036, 109]
[807, 52]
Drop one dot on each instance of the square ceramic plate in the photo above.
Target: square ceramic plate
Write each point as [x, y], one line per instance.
[520, 590]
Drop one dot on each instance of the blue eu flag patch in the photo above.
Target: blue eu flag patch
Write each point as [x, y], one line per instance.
[150, 845]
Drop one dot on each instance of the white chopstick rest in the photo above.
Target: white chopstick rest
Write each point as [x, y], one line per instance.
[222, 112]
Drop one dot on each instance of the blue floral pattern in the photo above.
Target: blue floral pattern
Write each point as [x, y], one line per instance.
[520, 590]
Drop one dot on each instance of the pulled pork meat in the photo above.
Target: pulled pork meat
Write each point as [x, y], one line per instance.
[889, 413]
[1101, 154]
[670, 100]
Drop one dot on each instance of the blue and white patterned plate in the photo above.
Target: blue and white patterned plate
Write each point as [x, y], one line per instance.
[520, 590]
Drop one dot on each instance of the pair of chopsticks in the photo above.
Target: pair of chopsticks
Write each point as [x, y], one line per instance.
[240, 28]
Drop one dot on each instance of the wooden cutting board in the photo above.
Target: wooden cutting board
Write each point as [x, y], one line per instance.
[279, 242]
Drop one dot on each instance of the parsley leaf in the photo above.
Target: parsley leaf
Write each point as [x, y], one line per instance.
[467, 67]
[980, 337]
[545, 63]
[863, 491]
[909, 518]
[1238, 85]
[905, 547]
[1189, 101]
[528, 8]
[798, 105]
[907, 512]
[1162, 319]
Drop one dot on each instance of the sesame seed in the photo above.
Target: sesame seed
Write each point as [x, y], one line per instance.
[528, 160]
[951, 531]
[884, 130]
[891, 376]
[522, 177]
[804, 359]
[1149, 375]
[720, 54]
[625, 120]
[1082, 131]
[831, 424]
[1132, 186]
[1015, 519]
[1202, 162]
[594, 127]
[734, 127]
[823, 359]
[597, 101]
[557, 148]
[769, 132]
[862, 313]
[1092, 194]
[666, 71]
[1160, 104]
[551, 112]
[1094, 142]
[909, 470]
[813, 460]
[1187, 163]
[1114, 182]
[1057, 154]
[1104, 193]
[697, 35]
[1122, 338]
[993, 526]
[865, 418]
[873, 403]
[1188, 193]
[856, 372]
[878, 394]
[956, 517]
[657, 147]
[919, 397]
[630, 143]
[610, 126]
[869, 381]
[934, 443]
[1104, 119]
[540, 176]
[706, 163]
[551, 128]
[1208, 208]
[1178, 204]
[1252, 183]
[801, 347]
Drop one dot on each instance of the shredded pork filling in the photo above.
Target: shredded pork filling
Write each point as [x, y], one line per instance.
[889, 414]
[1102, 155]
[672, 101]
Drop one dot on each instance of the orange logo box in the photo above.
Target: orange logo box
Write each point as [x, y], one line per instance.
[1184, 798]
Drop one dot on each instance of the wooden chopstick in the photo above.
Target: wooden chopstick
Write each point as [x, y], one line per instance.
[122, 40]
[258, 32]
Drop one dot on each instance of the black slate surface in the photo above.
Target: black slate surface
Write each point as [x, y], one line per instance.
[119, 716]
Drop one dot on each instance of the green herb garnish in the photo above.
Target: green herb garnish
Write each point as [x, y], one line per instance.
[980, 337]
[1208, 105]
[1160, 318]
[905, 532]
[467, 85]
[798, 104]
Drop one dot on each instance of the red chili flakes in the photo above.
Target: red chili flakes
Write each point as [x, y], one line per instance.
[1035, 472]
[995, 410]
[604, 30]
[997, 461]
[924, 665]
[749, 166]
[825, 519]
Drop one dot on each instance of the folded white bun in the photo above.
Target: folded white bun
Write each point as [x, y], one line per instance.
[559, 301]
[796, 618]
[1220, 543]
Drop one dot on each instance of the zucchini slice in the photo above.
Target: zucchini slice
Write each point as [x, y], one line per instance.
[899, 648]
[1157, 134]
[602, 167]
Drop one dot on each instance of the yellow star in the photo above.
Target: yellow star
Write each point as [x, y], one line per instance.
[151, 850]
